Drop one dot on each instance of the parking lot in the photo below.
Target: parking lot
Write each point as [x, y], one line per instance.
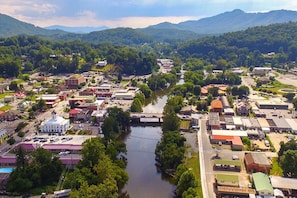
[276, 138]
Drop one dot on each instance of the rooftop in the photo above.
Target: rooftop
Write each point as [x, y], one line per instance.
[262, 182]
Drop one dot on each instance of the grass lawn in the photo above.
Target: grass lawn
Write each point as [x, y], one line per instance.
[278, 85]
[185, 124]
[107, 68]
[275, 169]
[6, 94]
[194, 164]
[5, 108]
[124, 82]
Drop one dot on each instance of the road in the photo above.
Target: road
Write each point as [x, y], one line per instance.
[206, 153]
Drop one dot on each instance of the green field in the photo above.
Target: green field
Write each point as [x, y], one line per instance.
[185, 124]
[6, 94]
[275, 169]
[6, 108]
[194, 164]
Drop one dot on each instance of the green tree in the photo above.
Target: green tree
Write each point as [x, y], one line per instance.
[92, 151]
[171, 122]
[289, 96]
[144, 88]
[11, 141]
[136, 105]
[178, 173]
[288, 162]
[186, 181]
[13, 86]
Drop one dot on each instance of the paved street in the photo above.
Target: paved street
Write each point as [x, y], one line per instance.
[206, 153]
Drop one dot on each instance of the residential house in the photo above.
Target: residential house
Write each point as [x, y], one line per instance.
[242, 108]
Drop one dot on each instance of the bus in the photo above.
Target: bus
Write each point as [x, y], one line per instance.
[62, 193]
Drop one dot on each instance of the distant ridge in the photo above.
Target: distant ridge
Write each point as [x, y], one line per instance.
[231, 21]
[80, 30]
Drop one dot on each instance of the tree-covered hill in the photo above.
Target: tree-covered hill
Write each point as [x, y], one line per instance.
[13, 27]
[247, 47]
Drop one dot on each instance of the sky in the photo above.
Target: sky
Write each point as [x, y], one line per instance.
[129, 13]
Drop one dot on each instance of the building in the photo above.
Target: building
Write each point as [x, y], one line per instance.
[214, 120]
[74, 81]
[261, 70]
[286, 185]
[216, 106]
[187, 110]
[227, 180]
[292, 124]
[265, 127]
[242, 108]
[55, 124]
[79, 114]
[262, 184]
[234, 141]
[257, 162]
[225, 102]
[51, 100]
[102, 63]
[271, 104]
[8, 99]
[10, 115]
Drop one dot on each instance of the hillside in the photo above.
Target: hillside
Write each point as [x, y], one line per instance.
[231, 21]
[13, 27]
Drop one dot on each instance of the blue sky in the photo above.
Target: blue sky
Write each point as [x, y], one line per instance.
[128, 13]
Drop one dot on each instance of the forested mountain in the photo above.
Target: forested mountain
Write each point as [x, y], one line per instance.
[164, 32]
[246, 48]
[231, 21]
[13, 27]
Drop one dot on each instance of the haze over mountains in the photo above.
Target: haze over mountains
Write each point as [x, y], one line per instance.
[226, 22]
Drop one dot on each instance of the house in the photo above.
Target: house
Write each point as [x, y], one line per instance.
[10, 115]
[8, 99]
[216, 106]
[257, 162]
[242, 108]
[74, 81]
[262, 184]
[79, 114]
[102, 63]
[187, 110]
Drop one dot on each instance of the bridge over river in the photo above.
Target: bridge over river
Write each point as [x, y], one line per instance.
[146, 117]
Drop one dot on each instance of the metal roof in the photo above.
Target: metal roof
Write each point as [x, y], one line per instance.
[283, 183]
[262, 182]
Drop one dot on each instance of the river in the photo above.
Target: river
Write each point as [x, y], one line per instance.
[145, 179]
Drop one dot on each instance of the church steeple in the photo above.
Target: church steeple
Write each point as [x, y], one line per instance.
[54, 115]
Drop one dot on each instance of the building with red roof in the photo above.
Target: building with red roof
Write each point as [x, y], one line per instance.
[235, 141]
[216, 106]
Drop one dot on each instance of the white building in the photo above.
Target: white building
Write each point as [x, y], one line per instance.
[55, 124]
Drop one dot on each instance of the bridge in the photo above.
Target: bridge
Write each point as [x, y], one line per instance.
[146, 117]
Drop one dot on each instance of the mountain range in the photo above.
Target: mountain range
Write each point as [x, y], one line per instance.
[226, 22]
